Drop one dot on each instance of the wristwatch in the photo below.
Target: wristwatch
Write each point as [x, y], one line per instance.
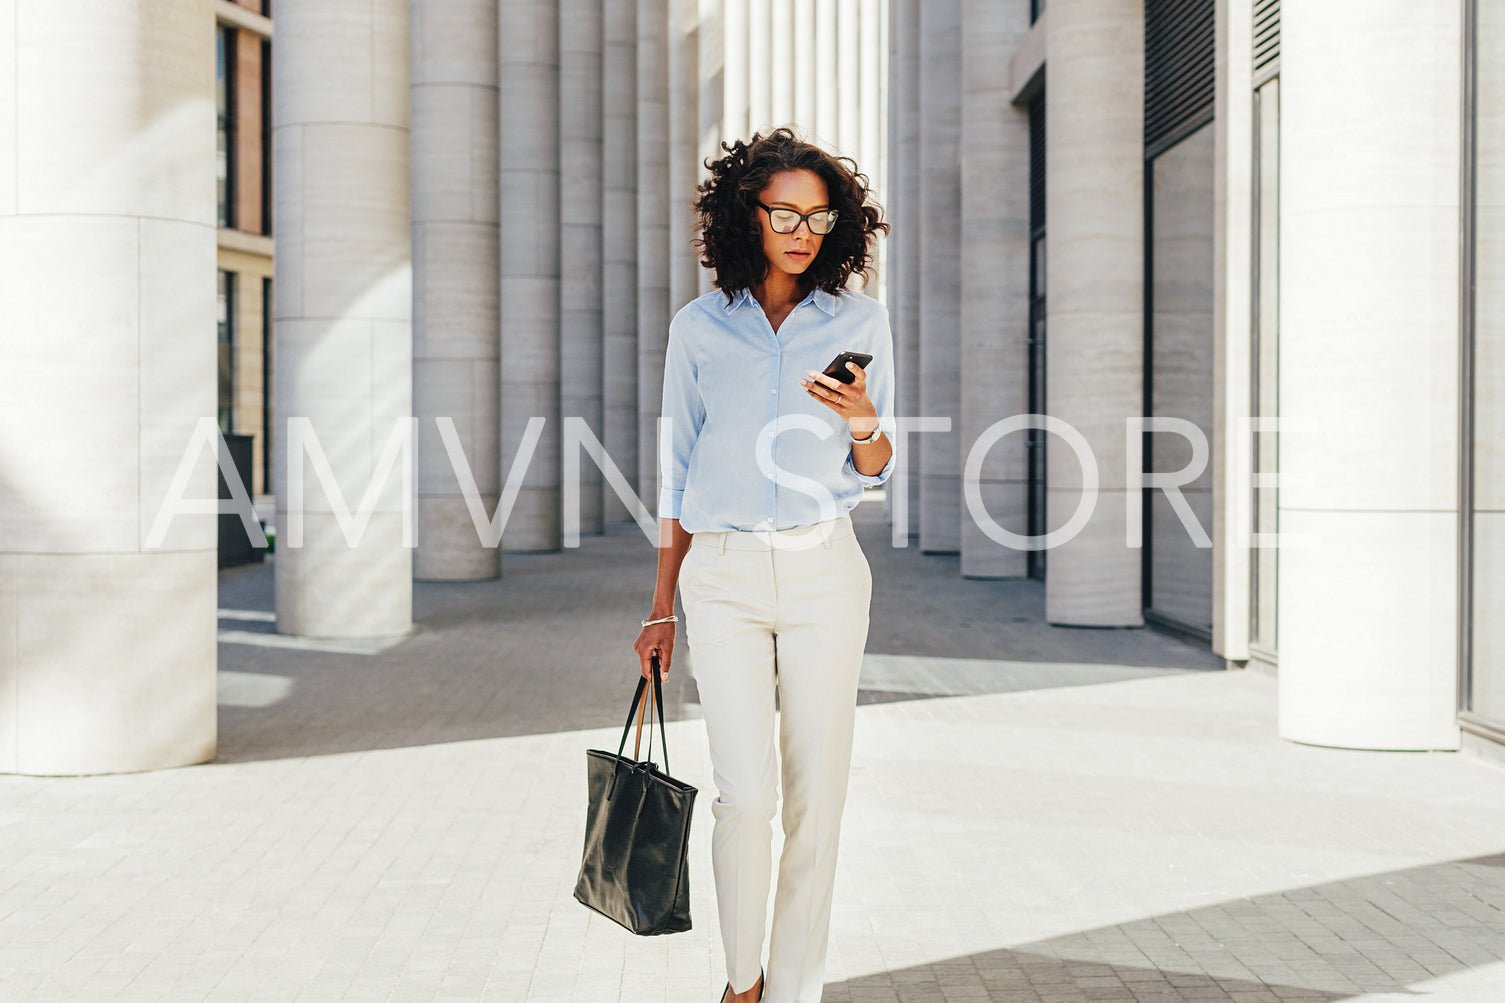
[877, 431]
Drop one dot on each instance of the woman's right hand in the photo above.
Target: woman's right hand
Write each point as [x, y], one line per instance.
[658, 637]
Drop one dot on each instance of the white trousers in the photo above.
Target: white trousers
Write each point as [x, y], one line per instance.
[786, 608]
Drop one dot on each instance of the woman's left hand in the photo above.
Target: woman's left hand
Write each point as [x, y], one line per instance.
[850, 400]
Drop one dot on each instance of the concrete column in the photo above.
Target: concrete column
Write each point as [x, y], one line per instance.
[827, 72]
[849, 76]
[804, 64]
[1369, 375]
[1095, 270]
[781, 62]
[904, 144]
[1233, 129]
[580, 170]
[1182, 230]
[529, 156]
[994, 278]
[872, 100]
[455, 274]
[619, 241]
[343, 307]
[734, 82]
[1487, 643]
[711, 57]
[939, 300]
[107, 247]
[875, 105]
[759, 65]
[653, 231]
[684, 148]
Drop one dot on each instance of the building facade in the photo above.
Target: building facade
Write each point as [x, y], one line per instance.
[243, 99]
[1205, 295]
[482, 223]
[1241, 287]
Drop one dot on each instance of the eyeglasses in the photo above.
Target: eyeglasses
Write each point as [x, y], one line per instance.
[820, 222]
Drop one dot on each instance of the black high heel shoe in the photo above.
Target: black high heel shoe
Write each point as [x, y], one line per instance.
[762, 985]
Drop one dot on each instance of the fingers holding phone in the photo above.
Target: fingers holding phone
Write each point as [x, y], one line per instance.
[842, 387]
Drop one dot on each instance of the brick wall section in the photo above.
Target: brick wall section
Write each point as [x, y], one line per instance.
[248, 132]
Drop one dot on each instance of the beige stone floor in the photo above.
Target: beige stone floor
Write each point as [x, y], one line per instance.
[1036, 814]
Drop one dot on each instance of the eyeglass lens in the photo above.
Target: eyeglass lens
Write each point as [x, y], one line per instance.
[787, 221]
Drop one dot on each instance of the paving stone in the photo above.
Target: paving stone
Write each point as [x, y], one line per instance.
[1036, 814]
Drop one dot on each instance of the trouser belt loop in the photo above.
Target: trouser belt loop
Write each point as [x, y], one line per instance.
[829, 536]
[721, 543]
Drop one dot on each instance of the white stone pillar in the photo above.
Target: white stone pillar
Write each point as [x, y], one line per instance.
[1369, 374]
[619, 240]
[759, 65]
[849, 77]
[804, 64]
[653, 231]
[994, 279]
[529, 156]
[684, 147]
[1095, 270]
[711, 58]
[107, 248]
[580, 170]
[827, 73]
[939, 299]
[343, 308]
[781, 62]
[874, 154]
[904, 144]
[455, 275]
[1233, 178]
[871, 99]
[734, 82]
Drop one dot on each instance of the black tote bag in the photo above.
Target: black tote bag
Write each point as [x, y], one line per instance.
[635, 868]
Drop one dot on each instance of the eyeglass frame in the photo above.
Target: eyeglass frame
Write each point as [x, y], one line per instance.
[804, 218]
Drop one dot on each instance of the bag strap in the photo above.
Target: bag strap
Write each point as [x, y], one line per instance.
[637, 740]
[658, 698]
[633, 711]
[637, 710]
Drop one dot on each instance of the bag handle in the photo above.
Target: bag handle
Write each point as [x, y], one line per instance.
[639, 707]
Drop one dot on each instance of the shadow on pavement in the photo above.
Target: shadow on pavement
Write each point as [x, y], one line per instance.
[1377, 933]
[547, 648]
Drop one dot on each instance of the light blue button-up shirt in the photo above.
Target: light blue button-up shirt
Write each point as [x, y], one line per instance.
[744, 446]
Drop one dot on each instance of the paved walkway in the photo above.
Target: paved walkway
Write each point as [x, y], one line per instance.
[1036, 814]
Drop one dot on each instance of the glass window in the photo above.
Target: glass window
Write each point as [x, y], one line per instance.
[268, 371]
[1265, 388]
[266, 137]
[226, 351]
[1487, 619]
[224, 97]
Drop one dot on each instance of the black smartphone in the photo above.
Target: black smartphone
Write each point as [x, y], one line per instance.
[838, 367]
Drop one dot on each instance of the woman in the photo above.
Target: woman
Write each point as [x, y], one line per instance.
[762, 459]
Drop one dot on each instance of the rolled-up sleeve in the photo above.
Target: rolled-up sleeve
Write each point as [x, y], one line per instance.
[683, 413]
[880, 389]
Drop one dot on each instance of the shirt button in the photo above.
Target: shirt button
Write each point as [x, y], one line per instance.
[770, 433]
[773, 390]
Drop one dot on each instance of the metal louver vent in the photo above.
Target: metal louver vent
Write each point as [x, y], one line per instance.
[1037, 163]
[1178, 71]
[1266, 33]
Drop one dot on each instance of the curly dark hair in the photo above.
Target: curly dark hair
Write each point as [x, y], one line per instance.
[731, 239]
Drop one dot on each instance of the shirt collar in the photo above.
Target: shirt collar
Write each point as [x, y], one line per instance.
[826, 301]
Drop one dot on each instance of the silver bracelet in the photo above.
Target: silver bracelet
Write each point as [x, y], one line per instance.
[671, 618]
